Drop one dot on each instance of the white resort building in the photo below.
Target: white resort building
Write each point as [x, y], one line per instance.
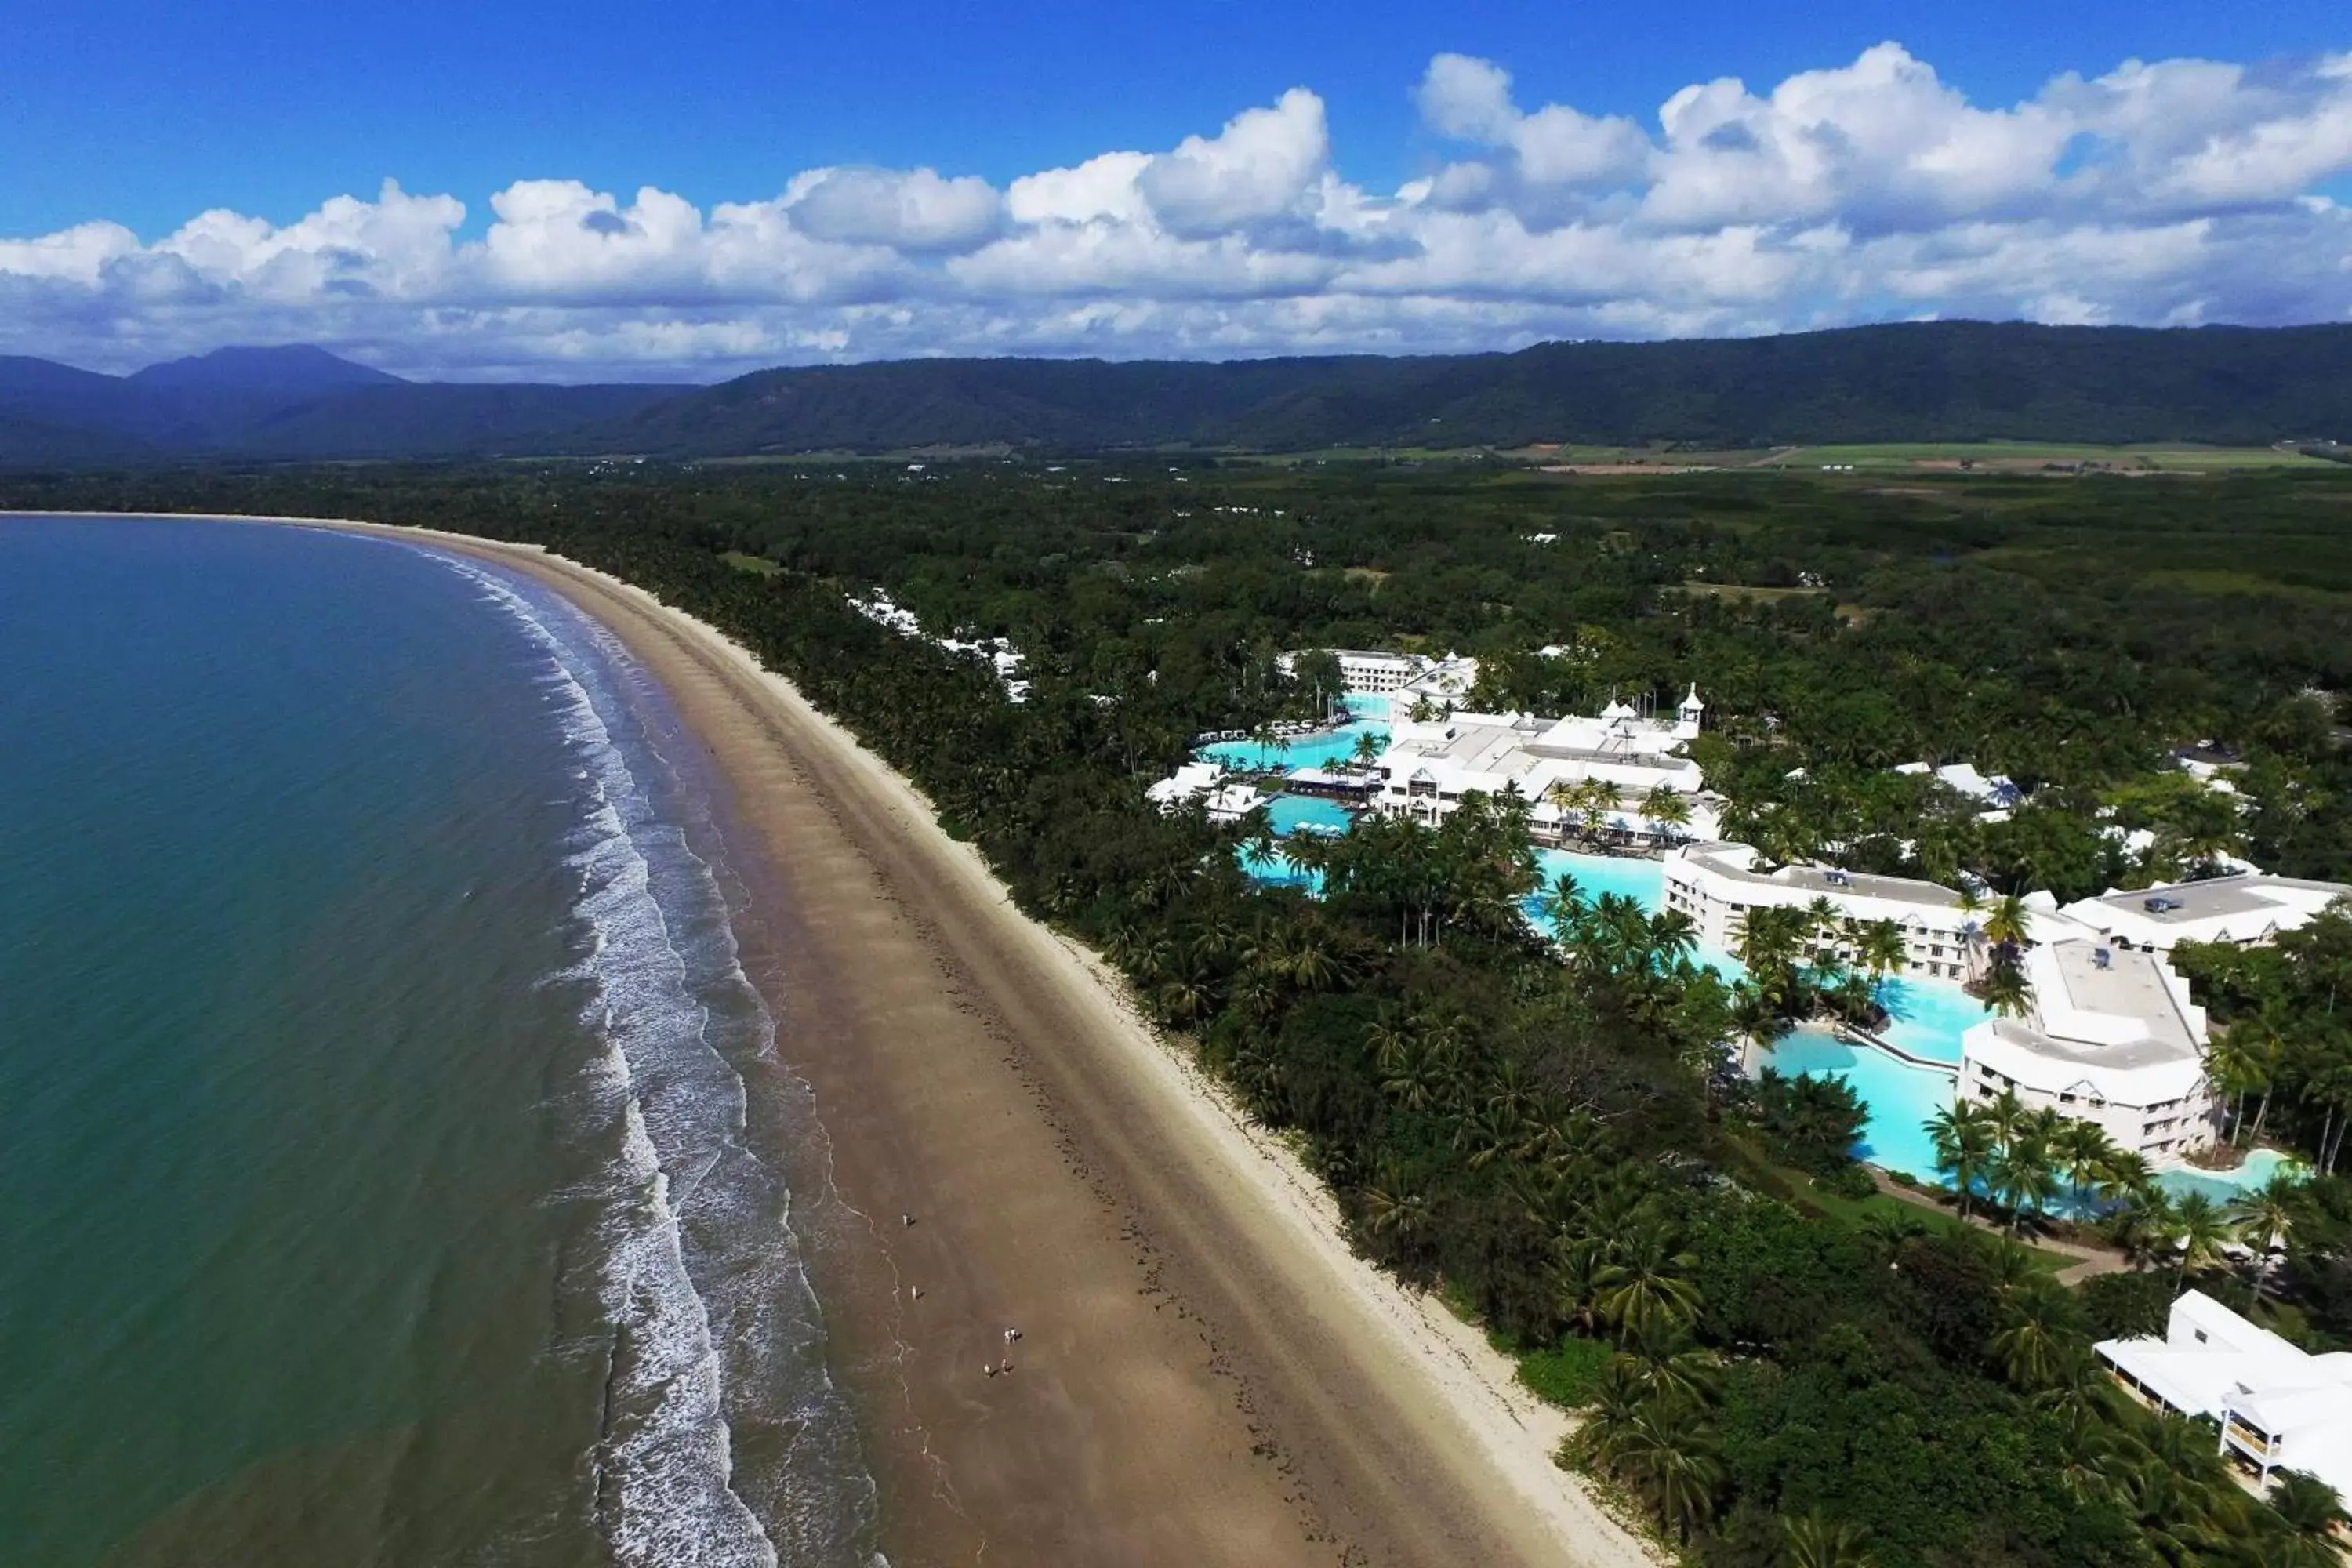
[2111, 1037]
[2248, 908]
[1431, 764]
[1716, 884]
[1204, 781]
[2279, 1407]
[1370, 671]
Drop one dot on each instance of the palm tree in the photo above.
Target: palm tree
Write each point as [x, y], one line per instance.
[2126, 1177]
[2023, 1173]
[1367, 752]
[1666, 811]
[1673, 1367]
[2037, 1327]
[1886, 1230]
[1681, 1470]
[1393, 1206]
[2329, 1084]
[1565, 797]
[2231, 1063]
[2007, 990]
[1392, 1038]
[1828, 923]
[2310, 1506]
[2261, 1045]
[1882, 949]
[2142, 1227]
[1562, 903]
[1971, 904]
[1965, 1138]
[2008, 924]
[1816, 1541]
[1752, 1017]
[2084, 1153]
[2200, 1233]
[2263, 1219]
[1770, 942]
[2007, 1113]
[1673, 936]
[1646, 1287]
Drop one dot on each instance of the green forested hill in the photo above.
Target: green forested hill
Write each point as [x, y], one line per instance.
[1952, 381]
[1957, 381]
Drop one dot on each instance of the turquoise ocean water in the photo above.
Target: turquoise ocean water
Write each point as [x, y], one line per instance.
[378, 1176]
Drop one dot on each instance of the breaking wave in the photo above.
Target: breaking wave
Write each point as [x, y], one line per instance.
[725, 1440]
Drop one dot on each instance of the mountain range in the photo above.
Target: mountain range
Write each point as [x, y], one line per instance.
[1955, 381]
[295, 401]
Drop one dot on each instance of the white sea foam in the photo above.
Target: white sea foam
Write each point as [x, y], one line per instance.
[702, 1280]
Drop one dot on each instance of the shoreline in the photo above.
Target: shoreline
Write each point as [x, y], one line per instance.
[1206, 1373]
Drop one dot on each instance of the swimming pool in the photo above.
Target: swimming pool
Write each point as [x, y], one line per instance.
[1928, 1017]
[1305, 752]
[1293, 812]
[2223, 1187]
[1899, 1099]
[1627, 876]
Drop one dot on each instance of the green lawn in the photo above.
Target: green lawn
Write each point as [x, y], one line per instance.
[1998, 456]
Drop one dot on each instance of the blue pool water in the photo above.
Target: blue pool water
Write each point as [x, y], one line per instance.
[2222, 1187]
[1304, 750]
[1899, 1099]
[1642, 880]
[1928, 1016]
[1293, 812]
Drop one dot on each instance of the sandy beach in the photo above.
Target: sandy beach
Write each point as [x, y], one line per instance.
[1205, 1375]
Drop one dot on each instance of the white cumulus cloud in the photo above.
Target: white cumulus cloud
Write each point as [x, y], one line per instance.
[2166, 192]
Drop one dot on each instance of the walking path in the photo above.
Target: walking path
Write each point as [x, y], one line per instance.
[2090, 1262]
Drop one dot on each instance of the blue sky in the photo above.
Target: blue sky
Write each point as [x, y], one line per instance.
[1352, 218]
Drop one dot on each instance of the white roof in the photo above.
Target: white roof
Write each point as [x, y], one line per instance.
[2120, 1029]
[2251, 906]
[2212, 1360]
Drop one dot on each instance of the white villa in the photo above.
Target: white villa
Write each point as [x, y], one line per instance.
[1199, 780]
[2112, 1037]
[2279, 1407]
[1716, 884]
[998, 653]
[1429, 765]
[1996, 791]
[2248, 908]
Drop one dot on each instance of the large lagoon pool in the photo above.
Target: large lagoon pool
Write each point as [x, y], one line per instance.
[1899, 1098]
[2222, 1187]
[1317, 750]
[1928, 1017]
[1292, 812]
[1627, 876]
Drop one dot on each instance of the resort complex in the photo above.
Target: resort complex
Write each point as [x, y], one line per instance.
[1715, 885]
[2110, 1037]
[2104, 1031]
[2278, 1407]
[1618, 773]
